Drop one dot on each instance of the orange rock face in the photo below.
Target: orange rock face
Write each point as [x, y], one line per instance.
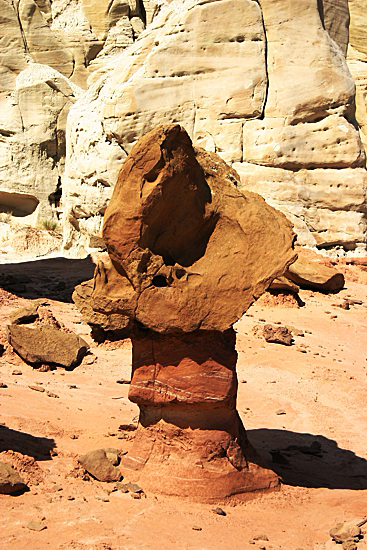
[187, 255]
[195, 251]
[190, 440]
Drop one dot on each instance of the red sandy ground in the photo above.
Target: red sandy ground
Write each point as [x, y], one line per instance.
[322, 393]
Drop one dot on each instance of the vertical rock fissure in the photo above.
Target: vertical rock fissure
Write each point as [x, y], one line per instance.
[16, 9]
[261, 117]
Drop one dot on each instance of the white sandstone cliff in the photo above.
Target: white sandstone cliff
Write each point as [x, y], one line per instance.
[263, 83]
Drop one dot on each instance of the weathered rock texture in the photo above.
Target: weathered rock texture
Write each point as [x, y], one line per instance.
[48, 50]
[103, 325]
[98, 464]
[10, 480]
[46, 344]
[190, 440]
[264, 84]
[183, 241]
[188, 254]
[308, 272]
[357, 61]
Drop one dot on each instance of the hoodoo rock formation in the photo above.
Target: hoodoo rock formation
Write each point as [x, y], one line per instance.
[188, 254]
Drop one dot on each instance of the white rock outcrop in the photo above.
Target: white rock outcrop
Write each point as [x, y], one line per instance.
[46, 56]
[265, 84]
[357, 61]
[33, 143]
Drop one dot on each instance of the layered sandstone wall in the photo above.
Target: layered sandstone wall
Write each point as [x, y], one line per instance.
[48, 51]
[264, 84]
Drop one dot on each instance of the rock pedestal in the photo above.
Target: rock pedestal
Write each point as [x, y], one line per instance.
[188, 253]
[191, 441]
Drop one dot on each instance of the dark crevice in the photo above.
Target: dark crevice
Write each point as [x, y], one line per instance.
[143, 13]
[262, 116]
[26, 49]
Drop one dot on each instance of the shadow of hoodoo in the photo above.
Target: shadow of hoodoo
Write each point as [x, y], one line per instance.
[306, 460]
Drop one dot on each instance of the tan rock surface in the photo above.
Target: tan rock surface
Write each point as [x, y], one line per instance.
[46, 344]
[189, 69]
[12, 55]
[327, 207]
[114, 322]
[178, 229]
[10, 480]
[335, 17]
[322, 84]
[357, 61]
[281, 65]
[331, 143]
[32, 151]
[42, 45]
[97, 464]
[308, 272]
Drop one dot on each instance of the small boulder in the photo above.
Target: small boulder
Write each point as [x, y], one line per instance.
[46, 344]
[344, 532]
[24, 314]
[10, 480]
[99, 466]
[36, 526]
[277, 335]
[308, 272]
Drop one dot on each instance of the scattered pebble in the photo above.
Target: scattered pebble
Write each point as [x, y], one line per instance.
[123, 381]
[50, 394]
[260, 537]
[2, 385]
[280, 411]
[17, 373]
[89, 359]
[36, 388]
[219, 511]
[36, 526]
[102, 498]
[196, 528]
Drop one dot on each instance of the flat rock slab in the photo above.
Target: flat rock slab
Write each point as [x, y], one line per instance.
[10, 480]
[46, 344]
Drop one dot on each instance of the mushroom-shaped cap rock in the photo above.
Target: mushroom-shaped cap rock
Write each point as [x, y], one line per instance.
[187, 250]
